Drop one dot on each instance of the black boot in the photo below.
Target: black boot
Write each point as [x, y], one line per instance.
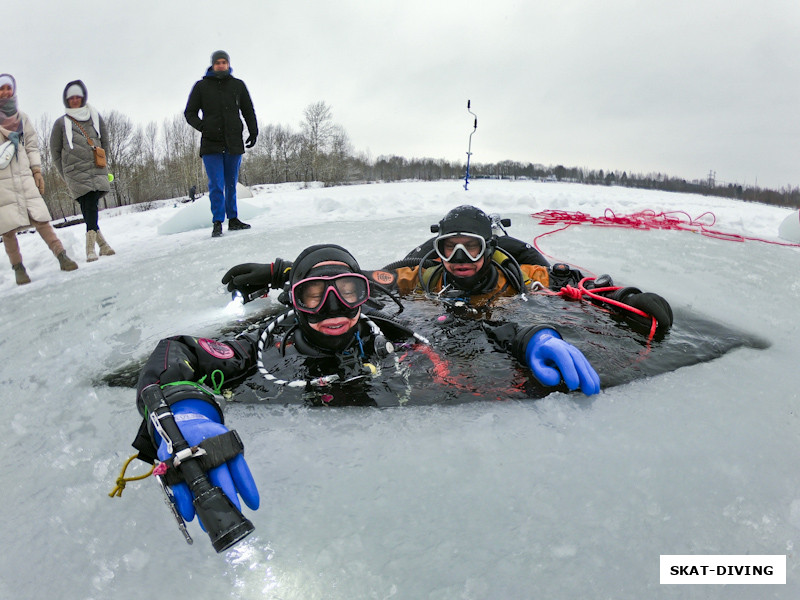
[235, 223]
[217, 231]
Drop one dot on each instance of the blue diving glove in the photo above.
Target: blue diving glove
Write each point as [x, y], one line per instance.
[551, 359]
[198, 420]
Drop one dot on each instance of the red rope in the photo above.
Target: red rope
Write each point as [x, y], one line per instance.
[677, 220]
[581, 293]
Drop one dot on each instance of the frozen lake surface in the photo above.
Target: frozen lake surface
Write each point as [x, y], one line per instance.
[553, 498]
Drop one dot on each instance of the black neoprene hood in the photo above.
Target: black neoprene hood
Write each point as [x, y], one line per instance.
[466, 219]
[319, 253]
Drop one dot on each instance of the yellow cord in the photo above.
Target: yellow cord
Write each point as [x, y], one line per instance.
[122, 480]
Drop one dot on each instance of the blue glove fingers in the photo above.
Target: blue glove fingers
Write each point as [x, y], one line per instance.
[552, 359]
[590, 380]
[221, 477]
[183, 500]
[576, 369]
[243, 479]
[546, 374]
[559, 352]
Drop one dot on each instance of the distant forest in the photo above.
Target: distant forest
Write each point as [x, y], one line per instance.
[152, 163]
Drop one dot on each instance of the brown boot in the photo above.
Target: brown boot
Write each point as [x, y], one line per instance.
[91, 240]
[65, 262]
[21, 274]
[105, 249]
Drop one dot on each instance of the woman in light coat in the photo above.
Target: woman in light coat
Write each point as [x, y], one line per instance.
[22, 185]
[72, 154]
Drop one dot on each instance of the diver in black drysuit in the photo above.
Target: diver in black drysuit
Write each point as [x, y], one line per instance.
[292, 359]
[325, 349]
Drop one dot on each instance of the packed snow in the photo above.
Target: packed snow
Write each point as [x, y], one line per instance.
[553, 498]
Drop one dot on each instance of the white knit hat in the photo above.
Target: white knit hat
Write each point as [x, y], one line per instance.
[6, 79]
[74, 90]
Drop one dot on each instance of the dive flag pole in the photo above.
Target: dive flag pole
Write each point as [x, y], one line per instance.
[469, 150]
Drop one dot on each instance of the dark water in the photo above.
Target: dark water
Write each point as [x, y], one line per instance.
[463, 364]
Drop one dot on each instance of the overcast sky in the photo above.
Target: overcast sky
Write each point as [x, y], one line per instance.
[682, 87]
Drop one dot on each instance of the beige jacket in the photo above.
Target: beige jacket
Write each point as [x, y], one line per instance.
[20, 201]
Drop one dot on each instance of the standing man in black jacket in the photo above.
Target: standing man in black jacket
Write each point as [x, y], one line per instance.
[221, 97]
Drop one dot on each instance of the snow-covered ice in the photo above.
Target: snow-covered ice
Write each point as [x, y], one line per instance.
[554, 498]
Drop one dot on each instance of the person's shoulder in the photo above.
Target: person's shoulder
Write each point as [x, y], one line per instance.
[27, 124]
[523, 252]
[207, 77]
[238, 81]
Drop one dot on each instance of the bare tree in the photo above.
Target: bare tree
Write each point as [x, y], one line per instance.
[337, 162]
[318, 131]
[181, 156]
[56, 194]
[287, 150]
[122, 154]
[258, 162]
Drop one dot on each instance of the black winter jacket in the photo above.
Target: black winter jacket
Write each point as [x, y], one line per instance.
[221, 99]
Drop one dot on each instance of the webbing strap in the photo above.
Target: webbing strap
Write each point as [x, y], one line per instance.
[218, 450]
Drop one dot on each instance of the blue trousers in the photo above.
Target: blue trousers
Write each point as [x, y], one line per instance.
[223, 173]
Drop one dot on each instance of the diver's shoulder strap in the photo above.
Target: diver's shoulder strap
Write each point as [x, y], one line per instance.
[430, 276]
[510, 267]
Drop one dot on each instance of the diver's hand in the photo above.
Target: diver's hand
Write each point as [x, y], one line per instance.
[197, 421]
[552, 359]
[249, 278]
[652, 304]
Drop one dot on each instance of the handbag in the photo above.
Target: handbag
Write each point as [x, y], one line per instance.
[98, 153]
[7, 152]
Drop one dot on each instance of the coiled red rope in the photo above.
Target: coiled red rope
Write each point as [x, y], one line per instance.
[677, 220]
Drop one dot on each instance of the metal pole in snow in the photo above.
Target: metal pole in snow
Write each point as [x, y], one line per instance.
[469, 150]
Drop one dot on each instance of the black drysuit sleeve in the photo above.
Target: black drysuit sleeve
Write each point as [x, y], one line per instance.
[191, 359]
[512, 338]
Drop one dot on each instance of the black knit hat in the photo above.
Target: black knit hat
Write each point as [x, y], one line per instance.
[220, 54]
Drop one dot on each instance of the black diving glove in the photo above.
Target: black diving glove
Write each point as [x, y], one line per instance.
[251, 278]
[652, 304]
[561, 275]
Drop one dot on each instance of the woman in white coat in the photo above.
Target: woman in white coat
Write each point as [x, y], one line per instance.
[22, 184]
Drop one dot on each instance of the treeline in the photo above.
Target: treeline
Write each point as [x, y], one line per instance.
[154, 162]
[397, 168]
